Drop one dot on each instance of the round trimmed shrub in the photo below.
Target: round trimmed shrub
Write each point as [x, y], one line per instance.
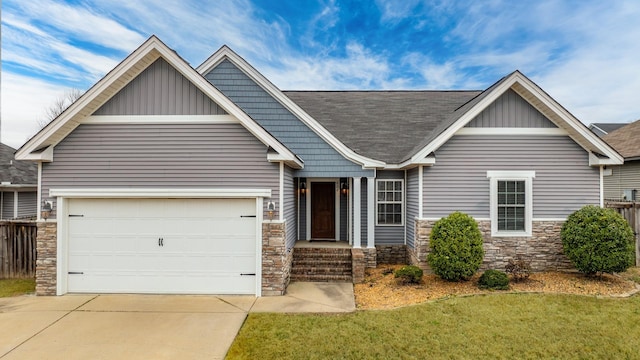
[598, 240]
[409, 274]
[456, 247]
[494, 280]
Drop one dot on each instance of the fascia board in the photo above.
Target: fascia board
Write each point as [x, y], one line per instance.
[67, 116]
[463, 120]
[270, 88]
[568, 119]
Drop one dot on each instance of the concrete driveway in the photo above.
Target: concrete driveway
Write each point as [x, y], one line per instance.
[146, 326]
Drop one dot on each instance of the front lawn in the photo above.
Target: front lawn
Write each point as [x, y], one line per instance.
[14, 287]
[497, 326]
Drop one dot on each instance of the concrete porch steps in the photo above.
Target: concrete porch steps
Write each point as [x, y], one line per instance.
[321, 264]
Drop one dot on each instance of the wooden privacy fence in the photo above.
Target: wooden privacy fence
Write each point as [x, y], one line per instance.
[17, 249]
[630, 210]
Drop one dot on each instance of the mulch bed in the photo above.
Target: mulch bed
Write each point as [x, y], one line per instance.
[381, 290]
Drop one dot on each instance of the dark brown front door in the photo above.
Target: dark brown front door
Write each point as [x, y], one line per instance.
[323, 211]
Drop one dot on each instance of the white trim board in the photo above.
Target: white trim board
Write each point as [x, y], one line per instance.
[512, 131]
[160, 119]
[159, 193]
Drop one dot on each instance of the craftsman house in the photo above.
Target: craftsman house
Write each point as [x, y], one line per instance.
[163, 178]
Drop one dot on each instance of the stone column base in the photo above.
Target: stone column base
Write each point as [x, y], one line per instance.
[46, 258]
[276, 260]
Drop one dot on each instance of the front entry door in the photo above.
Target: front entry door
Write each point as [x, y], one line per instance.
[323, 210]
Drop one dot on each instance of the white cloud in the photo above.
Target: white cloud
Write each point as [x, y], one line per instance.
[24, 101]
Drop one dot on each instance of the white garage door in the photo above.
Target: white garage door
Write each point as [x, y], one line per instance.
[180, 246]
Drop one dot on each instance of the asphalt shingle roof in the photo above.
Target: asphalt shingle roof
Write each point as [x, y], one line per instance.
[14, 171]
[382, 125]
[626, 140]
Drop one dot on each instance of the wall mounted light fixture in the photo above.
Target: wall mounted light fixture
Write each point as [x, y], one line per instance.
[47, 207]
[271, 208]
[303, 186]
[344, 187]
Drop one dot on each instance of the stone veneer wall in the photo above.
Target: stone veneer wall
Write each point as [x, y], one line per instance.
[358, 264]
[370, 257]
[46, 258]
[276, 260]
[543, 248]
[391, 254]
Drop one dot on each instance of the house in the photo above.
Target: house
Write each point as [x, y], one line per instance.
[602, 129]
[163, 178]
[622, 182]
[18, 186]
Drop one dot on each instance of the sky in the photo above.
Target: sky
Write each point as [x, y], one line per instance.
[584, 53]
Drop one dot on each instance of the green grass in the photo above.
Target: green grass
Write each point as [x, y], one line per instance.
[14, 287]
[501, 326]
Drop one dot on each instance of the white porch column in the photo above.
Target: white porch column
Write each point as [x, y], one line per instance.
[356, 212]
[371, 212]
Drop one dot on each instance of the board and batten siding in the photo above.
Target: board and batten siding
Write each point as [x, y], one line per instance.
[390, 235]
[289, 208]
[563, 183]
[320, 159]
[161, 156]
[623, 177]
[160, 90]
[412, 204]
[510, 110]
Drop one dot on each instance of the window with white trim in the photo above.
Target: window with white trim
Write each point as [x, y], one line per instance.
[511, 202]
[389, 202]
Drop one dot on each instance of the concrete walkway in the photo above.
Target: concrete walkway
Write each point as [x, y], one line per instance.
[147, 326]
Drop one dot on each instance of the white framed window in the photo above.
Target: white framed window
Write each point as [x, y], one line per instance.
[389, 202]
[511, 202]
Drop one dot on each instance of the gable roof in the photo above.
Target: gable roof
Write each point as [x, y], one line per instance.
[602, 129]
[626, 140]
[14, 171]
[226, 53]
[383, 125]
[40, 146]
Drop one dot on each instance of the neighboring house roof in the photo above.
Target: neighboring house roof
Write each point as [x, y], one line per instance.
[14, 171]
[626, 140]
[383, 125]
[602, 129]
[40, 146]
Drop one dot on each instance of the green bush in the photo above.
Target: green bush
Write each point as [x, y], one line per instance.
[598, 241]
[456, 247]
[519, 268]
[494, 280]
[409, 274]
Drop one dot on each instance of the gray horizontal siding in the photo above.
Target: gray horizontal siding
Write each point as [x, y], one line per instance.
[622, 178]
[7, 205]
[289, 207]
[511, 110]
[160, 156]
[458, 181]
[390, 235]
[160, 90]
[412, 204]
[27, 204]
[320, 159]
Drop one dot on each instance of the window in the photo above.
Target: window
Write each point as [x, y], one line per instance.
[389, 202]
[511, 202]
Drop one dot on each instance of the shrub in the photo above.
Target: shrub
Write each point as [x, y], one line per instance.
[409, 274]
[456, 247]
[598, 240]
[519, 268]
[494, 280]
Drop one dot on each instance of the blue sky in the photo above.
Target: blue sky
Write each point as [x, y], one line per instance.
[584, 53]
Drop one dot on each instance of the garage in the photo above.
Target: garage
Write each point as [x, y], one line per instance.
[168, 246]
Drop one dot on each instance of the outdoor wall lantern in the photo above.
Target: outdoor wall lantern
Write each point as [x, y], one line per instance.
[47, 207]
[303, 186]
[344, 187]
[271, 208]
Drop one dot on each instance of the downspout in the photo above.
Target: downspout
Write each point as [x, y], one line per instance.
[601, 186]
